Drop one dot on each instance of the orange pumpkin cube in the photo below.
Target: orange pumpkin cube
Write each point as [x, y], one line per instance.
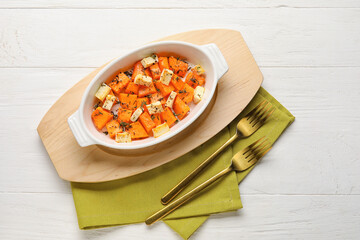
[138, 69]
[124, 115]
[168, 117]
[178, 66]
[180, 108]
[177, 82]
[163, 63]
[186, 94]
[119, 82]
[147, 122]
[128, 101]
[144, 91]
[113, 127]
[156, 119]
[101, 117]
[155, 71]
[137, 131]
[193, 79]
[132, 88]
[157, 97]
[165, 90]
[141, 102]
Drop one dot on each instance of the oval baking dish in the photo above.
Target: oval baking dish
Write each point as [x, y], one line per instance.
[208, 56]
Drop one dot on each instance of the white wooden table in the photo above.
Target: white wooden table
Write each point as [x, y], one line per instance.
[308, 186]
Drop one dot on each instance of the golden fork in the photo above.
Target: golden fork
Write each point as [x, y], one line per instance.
[245, 127]
[241, 161]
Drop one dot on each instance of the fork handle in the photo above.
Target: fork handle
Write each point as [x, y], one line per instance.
[181, 185]
[174, 205]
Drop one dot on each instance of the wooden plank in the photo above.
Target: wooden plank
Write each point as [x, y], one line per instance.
[277, 37]
[317, 155]
[143, 4]
[325, 133]
[52, 216]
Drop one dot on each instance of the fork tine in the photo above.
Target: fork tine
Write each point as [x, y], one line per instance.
[265, 117]
[252, 150]
[258, 146]
[268, 115]
[251, 113]
[261, 115]
[262, 120]
[248, 148]
[259, 151]
[249, 154]
[255, 115]
[252, 158]
[260, 155]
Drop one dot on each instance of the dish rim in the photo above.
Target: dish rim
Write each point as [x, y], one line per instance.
[92, 140]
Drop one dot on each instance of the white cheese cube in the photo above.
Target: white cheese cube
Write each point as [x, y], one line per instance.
[198, 94]
[166, 76]
[136, 114]
[146, 81]
[110, 99]
[148, 61]
[199, 69]
[138, 79]
[123, 137]
[143, 80]
[155, 107]
[103, 91]
[170, 101]
[160, 130]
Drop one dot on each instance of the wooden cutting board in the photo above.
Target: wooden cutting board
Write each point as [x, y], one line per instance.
[93, 164]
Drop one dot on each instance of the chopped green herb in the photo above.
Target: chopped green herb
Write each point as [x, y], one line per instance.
[124, 124]
[99, 113]
[193, 80]
[129, 73]
[97, 105]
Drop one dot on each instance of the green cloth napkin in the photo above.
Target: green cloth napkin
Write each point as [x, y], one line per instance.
[133, 199]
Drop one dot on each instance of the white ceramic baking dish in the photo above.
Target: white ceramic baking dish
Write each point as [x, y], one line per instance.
[210, 58]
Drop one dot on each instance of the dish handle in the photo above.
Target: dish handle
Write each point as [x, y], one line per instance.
[78, 130]
[215, 54]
